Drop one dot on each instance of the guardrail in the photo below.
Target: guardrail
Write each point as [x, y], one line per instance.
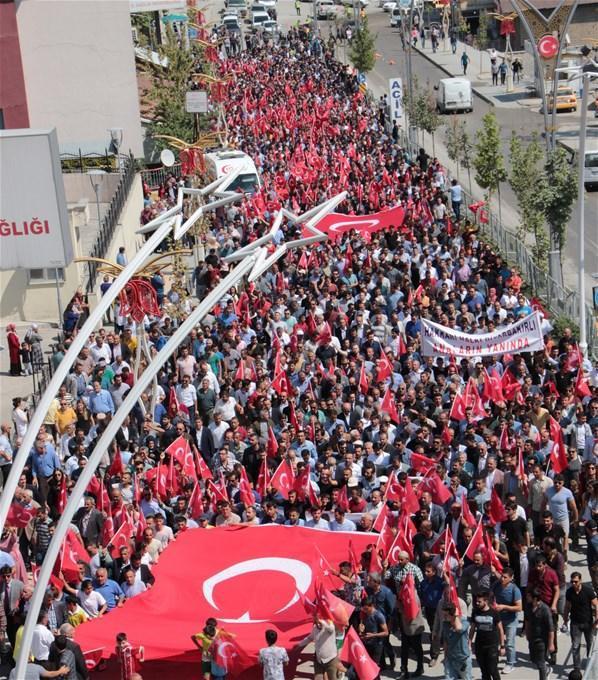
[155, 177]
[110, 220]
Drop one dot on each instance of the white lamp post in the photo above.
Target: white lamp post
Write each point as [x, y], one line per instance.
[96, 177]
[585, 76]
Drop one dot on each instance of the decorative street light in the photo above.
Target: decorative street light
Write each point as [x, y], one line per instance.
[96, 177]
[578, 73]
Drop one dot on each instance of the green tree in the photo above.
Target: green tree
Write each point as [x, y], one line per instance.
[561, 179]
[488, 161]
[527, 177]
[452, 138]
[466, 153]
[363, 48]
[430, 116]
[481, 38]
[165, 97]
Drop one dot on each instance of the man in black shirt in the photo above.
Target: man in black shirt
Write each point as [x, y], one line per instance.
[581, 607]
[539, 630]
[489, 636]
[515, 529]
[548, 529]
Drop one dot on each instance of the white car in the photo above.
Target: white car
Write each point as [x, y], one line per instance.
[258, 19]
[325, 9]
[268, 4]
[271, 27]
[389, 5]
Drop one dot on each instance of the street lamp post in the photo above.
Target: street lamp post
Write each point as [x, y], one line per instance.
[116, 139]
[585, 76]
[96, 177]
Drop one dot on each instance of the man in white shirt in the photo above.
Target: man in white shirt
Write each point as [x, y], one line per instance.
[339, 523]
[323, 635]
[99, 350]
[316, 521]
[187, 396]
[186, 364]
[162, 532]
[218, 428]
[42, 639]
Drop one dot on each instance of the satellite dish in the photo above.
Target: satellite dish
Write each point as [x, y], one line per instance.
[167, 158]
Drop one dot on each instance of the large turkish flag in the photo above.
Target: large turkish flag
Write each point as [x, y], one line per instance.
[336, 224]
[249, 578]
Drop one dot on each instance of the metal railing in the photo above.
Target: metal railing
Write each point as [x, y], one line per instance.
[155, 177]
[82, 162]
[110, 219]
[42, 374]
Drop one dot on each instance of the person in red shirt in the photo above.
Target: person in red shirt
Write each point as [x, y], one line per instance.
[129, 657]
[545, 580]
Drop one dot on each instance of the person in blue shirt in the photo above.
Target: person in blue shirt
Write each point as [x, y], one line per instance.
[43, 461]
[385, 602]
[431, 590]
[109, 589]
[508, 603]
[100, 401]
[228, 316]
[455, 636]
[413, 327]
[339, 523]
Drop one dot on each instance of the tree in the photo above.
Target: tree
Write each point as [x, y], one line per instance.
[488, 161]
[561, 178]
[481, 38]
[363, 48]
[430, 117]
[528, 180]
[466, 153]
[166, 95]
[453, 142]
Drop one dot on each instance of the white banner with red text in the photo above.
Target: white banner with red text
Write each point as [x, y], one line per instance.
[524, 335]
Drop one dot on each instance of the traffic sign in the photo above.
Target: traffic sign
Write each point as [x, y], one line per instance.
[196, 101]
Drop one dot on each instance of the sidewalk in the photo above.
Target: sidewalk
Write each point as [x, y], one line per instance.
[478, 73]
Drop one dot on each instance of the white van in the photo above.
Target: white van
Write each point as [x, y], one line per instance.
[454, 94]
[395, 17]
[223, 162]
[590, 166]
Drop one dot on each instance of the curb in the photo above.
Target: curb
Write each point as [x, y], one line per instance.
[484, 97]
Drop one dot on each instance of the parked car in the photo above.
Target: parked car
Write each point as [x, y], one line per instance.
[230, 23]
[325, 9]
[271, 27]
[389, 5]
[258, 19]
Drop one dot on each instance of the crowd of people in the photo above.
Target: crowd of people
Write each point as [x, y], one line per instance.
[319, 366]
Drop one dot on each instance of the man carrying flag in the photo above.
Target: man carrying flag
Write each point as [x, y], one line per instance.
[323, 635]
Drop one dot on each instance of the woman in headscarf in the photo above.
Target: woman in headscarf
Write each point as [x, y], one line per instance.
[35, 339]
[14, 346]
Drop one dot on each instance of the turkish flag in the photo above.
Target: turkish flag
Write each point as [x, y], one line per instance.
[342, 500]
[116, 468]
[158, 475]
[497, 508]
[140, 527]
[470, 520]
[491, 556]
[431, 482]
[384, 367]
[581, 385]
[386, 536]
[337, 224]
[227, 654]
[558, 456]
[122, 537]
[457, 411]
[302, 482]
[453, 596]
[216, 492]
[394, 491]
[76, 546]
[19, 516]
[93, 657]
[354, 652]
[492, 391]
[240, 372]
[282, 479]
[250, 582]
[180, 450]
[408, 598]
[202, 467]
[410, 502]
[332, 607]
[387, 405]
[354, 558]
[62, 496]
[400, 544]
[363, 381]
[381, 518]
[510, 385]
[271, 444]
[477, 541]
[505, 443]
[421, 463]
[195, 507]
[246, 493]
[263, 480]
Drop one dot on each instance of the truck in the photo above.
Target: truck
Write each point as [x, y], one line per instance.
[454, 94]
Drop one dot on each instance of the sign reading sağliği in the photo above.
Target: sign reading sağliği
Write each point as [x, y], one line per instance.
[34, 227]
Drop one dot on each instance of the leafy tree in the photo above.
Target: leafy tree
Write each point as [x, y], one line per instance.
[453, 142]
[363, 48]
[466, 153]
[488, 161]
[430, 117]
[561, 178]
[481, 38]
[528, 180]
[166, 95]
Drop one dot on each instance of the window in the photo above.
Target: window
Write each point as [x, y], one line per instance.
[47, 275]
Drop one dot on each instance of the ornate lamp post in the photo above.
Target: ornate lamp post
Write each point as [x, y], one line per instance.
[507, 28]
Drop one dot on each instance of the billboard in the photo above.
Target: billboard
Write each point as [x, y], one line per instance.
[395, 88]
[34, 225]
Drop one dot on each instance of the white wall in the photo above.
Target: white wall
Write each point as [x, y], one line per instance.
[79, 69]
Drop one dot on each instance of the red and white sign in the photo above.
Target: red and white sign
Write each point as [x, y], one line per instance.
[548, 46]
[336, 224]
